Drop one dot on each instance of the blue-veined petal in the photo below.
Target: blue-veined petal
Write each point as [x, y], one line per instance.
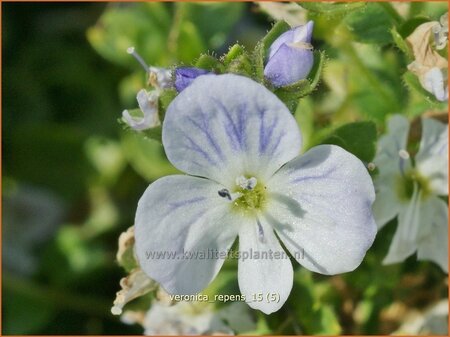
[266, 275]
[225, 126]
[321, 207]
[179, 215]
[432, 158]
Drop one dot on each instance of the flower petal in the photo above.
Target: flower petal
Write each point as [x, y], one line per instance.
[432, 158]
[225, 126]
[178, 219]
[433, 245]
[264, 275]
[289, 65]
[404, 242]
[388, 159]
[387, 204]
[321, 207]
[298, 34]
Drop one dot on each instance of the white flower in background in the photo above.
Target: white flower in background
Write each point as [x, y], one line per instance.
[240, 145]
[430, 67]
[192, 318]
[149, 118]
[411, 189]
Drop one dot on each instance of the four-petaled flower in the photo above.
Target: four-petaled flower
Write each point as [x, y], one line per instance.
[240, 146]
[412, 191]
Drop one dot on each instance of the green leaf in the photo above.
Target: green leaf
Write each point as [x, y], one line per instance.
[410, 25]
[290, 94]
[315, 317]
[146, 156]
[358, 138]
[332, 10]
[401, 44]
[165, 98]
[372, 25]
[189, 43]
[214, 20]
[24, 314]
[142, 25]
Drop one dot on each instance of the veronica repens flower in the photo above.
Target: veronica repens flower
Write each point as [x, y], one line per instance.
[410, 190]
[290, 56]
[239, 145]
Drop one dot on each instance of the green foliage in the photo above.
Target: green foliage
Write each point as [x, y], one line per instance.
[358, 138]
[371, 25]
[146, 156]
[332, 10]
[113, 33]
[316, 317]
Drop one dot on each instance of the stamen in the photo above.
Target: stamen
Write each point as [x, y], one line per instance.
[246, 184]
[404, 156]
[224, 193]
[261, 236]
[138, 58]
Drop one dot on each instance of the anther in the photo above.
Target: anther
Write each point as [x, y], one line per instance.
[224, 193]
[403, 154]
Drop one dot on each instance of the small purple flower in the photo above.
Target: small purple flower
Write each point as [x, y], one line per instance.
[185, 75]
[290, 56]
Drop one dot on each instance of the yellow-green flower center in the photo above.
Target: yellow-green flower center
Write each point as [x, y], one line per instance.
[251, 195]
[405, 185]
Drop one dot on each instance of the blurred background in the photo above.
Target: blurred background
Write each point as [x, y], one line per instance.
[72, 176]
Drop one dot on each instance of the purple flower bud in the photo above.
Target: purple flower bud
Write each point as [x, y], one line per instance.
[290, 56]
[185, 75]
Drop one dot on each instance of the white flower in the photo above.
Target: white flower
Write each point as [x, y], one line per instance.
[225, 127]
[196, 318]
[412, 191]
[430, 67]
[148, 104]
[435, 82]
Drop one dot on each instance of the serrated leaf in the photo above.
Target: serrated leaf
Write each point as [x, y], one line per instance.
[358, 138]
